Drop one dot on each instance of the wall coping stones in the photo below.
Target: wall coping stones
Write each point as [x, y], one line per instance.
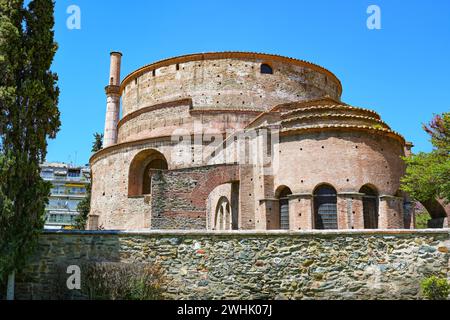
[252, 233]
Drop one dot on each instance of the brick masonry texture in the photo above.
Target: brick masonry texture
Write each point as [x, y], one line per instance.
[179, 110]
[228, 83]
[179, 197]
[254, 265]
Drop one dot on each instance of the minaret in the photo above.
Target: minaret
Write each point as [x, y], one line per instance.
[112, 101]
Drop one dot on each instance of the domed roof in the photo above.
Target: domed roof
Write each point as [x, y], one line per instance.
[322, 114]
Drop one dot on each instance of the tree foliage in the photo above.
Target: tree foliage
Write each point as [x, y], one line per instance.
[428, 174]
[97, 145]
[83, 208]
[422, 219]
[28, 116]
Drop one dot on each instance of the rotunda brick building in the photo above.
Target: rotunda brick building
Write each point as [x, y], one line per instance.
[243, 141]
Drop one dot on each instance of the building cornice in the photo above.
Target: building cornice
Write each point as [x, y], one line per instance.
[300, 108]
[112, 90]
[95, 157]
[344, 127]
[183, 102]
[123, 145]
[390, 197]
[170, 104]
[334, 116]
[230, 110]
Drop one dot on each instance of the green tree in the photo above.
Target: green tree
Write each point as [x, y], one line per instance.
[97, 145]
[83, 208]
[422, 219]
[428, 174]
[28, 116]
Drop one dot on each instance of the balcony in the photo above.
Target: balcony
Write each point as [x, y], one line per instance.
[60, 218]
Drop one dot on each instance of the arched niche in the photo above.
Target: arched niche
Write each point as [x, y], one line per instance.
[143, 165]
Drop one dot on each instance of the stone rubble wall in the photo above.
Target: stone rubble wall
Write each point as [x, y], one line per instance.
[254, 265]
[179, 197]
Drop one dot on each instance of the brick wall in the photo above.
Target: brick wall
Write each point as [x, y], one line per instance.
[179, 197]
[227, 83]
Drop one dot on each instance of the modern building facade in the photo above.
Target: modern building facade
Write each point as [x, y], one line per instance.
[243, 141]
[68, 189]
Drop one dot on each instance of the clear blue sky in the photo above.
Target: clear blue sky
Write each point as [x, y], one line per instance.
[402, 71]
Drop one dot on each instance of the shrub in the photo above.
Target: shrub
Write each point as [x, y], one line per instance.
[114, 281]
[422, 219]
[435, 288]
[123, 281]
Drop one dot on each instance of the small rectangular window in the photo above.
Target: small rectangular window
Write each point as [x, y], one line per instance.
[266, 69]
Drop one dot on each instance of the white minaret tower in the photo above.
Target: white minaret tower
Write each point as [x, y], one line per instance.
[112, 101]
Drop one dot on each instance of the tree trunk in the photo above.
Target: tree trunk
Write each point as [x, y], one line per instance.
[10, 286]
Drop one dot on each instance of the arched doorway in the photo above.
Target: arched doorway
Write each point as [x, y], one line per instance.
[223, 219]
[370, 207]
[325, 208]
[144, 164]
[283, 200]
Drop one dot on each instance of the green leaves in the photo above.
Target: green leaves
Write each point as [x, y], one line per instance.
[435, 288]
[83, 208]
[28, 116]
[428, 174]
[97, 145]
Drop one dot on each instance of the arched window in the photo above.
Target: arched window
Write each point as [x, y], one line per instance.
[283, 195]
[223, 219]
[370, 207]
[325, 208]
[266, 69]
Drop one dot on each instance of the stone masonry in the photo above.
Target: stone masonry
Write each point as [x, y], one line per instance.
[254, 265]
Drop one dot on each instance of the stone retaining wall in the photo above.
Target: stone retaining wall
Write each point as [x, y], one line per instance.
[255, 265]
